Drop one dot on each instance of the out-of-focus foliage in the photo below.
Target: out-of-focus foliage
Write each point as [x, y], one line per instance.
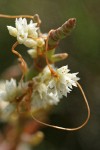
[83, 47]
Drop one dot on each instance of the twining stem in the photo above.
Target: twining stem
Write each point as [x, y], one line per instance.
[17, 16]
[23, 63]
[35, 17]
[69, 129]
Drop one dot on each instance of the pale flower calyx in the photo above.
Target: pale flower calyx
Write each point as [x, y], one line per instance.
[32, 53]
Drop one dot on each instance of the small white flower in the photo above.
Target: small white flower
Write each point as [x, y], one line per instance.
[8, 95]
[26, 33]
[41, 98]
[49, 90]
[45, 75]
[12, 31]
[22, 30]
[10, 91]
[63, 84]
[30, 43]
[32, 30]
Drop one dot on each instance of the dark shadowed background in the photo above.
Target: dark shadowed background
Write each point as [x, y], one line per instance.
[83, 47]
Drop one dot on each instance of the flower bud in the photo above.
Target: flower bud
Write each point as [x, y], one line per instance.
[12, 31]
[30, 43]
[59, 57]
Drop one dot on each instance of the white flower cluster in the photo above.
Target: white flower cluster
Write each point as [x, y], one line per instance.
[47, 90]
[26, 34]
[8, 92]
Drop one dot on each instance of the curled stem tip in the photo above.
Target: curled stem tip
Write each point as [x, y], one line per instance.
[37, 19]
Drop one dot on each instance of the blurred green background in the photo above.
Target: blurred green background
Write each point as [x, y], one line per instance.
[83, 47]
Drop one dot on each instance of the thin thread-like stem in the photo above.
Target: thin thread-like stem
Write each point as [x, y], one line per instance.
[23, 63]
[69, 129]
[16, 16]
